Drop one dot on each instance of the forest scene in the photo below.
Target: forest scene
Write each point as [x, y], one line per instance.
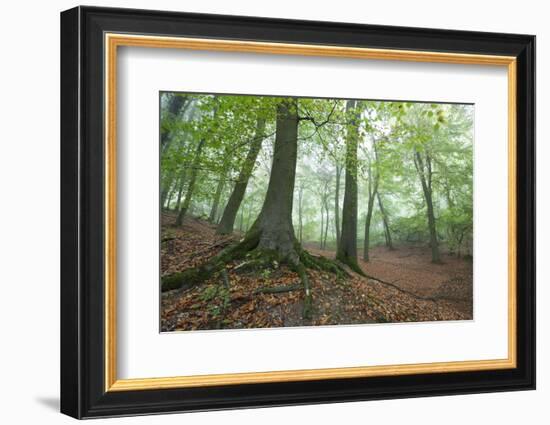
[286, 211]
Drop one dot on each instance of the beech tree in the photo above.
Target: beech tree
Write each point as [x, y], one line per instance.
[347, 248]
[267, 171]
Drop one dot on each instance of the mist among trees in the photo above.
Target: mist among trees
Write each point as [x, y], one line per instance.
[313, 184]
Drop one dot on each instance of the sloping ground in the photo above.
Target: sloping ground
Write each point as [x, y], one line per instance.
[410, 268]
[248, 298]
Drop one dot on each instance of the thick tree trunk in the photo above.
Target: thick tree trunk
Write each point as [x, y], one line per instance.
[191, 184]
[385, 221]
[425, 174]
[272, 234]
[347, 250]
[231, 209]
[337, 205]
[274, 223]
[322, 211]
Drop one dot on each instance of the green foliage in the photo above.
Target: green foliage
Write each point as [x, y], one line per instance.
[390, 134]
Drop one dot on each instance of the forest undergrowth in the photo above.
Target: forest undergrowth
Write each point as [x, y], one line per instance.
[401, 286]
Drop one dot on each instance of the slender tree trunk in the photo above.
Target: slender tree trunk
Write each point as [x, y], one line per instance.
[347, 250]
[322, 211]
[171, 194]
[385, 221]
[368, 219]
[218, 194]
[300, 214]
[241, 220]
[175, 104]
[180, 189]
[191, 184]
[230, 212]
[166, 185]
[337, 205]
[425, 174]
[249, 214]
[326, 225]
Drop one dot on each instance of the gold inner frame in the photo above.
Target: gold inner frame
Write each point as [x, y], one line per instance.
[113, 41]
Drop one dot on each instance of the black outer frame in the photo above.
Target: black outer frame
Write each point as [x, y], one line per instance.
[82, 212]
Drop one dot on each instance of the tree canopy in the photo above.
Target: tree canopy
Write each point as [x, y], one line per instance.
[338, 175]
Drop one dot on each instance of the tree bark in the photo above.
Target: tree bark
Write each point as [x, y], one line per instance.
[166, 185]
[272, 234]
[218, 194]
[231, 209]
[274, 223]
[326, 225]
[300, 212]
[171, 193]
[425, 174]
[347, 250]
[176, 105]
[385, 221]
[370, 208]
[191, 184]
[337, 205]
[180, 189]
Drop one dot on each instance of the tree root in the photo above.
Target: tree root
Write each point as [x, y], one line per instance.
[308, 299]
[352, 264]
[225, 278]
[195, 276]
[279, 289]
[256, 258]
[323, 264]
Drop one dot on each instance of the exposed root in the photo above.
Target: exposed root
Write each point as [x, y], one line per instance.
[352, 264]
[308, 299]
[279, 289]
[195, 276]
[324, 264]
[256, 259]
[225, 278]
[383, 282]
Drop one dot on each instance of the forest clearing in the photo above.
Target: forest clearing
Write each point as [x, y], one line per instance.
[279, 212]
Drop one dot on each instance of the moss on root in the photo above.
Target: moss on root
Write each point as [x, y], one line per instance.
[195, 276]
[257, 259]
[323, 264]
[189, 278]
[352, 264]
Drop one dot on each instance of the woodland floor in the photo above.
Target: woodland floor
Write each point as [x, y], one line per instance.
[403, 286]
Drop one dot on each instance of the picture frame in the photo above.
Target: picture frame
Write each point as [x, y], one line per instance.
[90, 39]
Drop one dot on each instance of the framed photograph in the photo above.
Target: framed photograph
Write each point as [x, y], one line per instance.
[261, 212]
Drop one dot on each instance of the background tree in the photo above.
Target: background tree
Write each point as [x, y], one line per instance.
[347, 248]
[268, 170]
